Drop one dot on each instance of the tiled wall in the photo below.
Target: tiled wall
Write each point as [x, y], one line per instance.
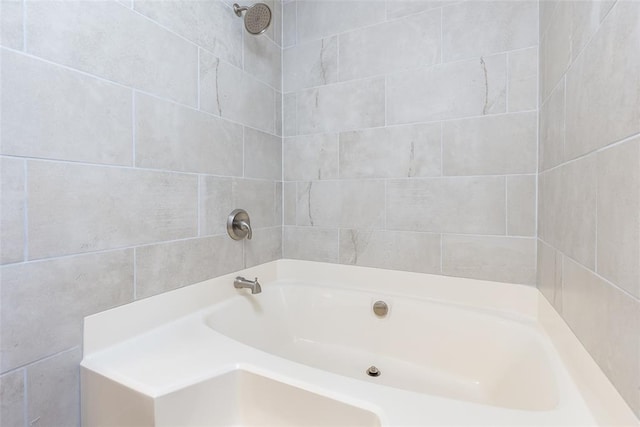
[589, 182]
[130, 130]
[411, 135]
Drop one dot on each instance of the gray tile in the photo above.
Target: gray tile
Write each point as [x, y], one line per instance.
[523, 80]
[234, 94]
[53, 388]
[263, 59]
[265, 246]
[321, 18]
[98, 37]
[551, 130]
[44, 302]
[316, 203]
[454, 205]
[396, 250]
[567, 209]
[472, 29]
[606, 321]
[448, 91]
[11, 23]
[259, 199]
[555, 49]
[219, 196]
[547, 9]
[12, 210]
[289, 203]
[216, 203]
[310, 243]
[52, 112]
[12, 398]
[505, 144]
[262, 155]
[391, 152]
[289, 23]
[210, 24]
[618, 222]
[399, 8]
[78, 208]
[279, 114]
[310, 64]
[311, 157]
[586, 17]
[375, 50]
[503, 259]
[172, 137]
[345, 106]
[549, 274]
[521, 205]
[167, 266]
[603, 85]
[289, 115]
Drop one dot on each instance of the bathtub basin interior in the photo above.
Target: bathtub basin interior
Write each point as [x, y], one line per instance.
[421, 346]
[243, 398]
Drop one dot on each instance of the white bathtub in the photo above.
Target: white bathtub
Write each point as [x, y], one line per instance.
[451, 352]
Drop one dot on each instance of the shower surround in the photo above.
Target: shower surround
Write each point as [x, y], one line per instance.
[407, 138]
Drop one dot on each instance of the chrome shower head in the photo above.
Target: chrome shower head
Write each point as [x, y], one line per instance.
[257, 17]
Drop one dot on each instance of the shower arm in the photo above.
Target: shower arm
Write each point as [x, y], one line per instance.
[239, 9]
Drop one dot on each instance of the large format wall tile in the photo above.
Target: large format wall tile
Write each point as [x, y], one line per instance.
[374, 50]
[167, 266]
[567, 206]
[263, 60]
[310, 243]
[58, 294]
[455, 205]
[172, 137]
[12, 209]
[619, 215]
[12, 398]
[311, 157]
[210, 24]
[448, 91]
[106, 39]
[51, 112]
[396, 250]
[472, 29]
[265, 246]
[555, 49]
[586, 17]
[399, 8]
[216, 203]
[549, 274]
[320, 18]
[53, 388]
[606, 321]
[12, 24]
[236, 95]
[262, 155]
[603, 85]
[505, 144]
[391, 152]
[551, 130]
[344, 106]
[504, 259]
[79, 208]
[310, 64]
[521, 205]
[523, 80]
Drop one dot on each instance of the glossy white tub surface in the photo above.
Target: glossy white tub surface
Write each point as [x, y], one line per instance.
[451, 351]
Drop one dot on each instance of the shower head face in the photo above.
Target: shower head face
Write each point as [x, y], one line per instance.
[257, 18]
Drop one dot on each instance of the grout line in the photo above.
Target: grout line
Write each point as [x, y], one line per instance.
[25, 397]
[25, 229]
[133, 128]
[24, 25]
[135, 274]
[506, 206]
